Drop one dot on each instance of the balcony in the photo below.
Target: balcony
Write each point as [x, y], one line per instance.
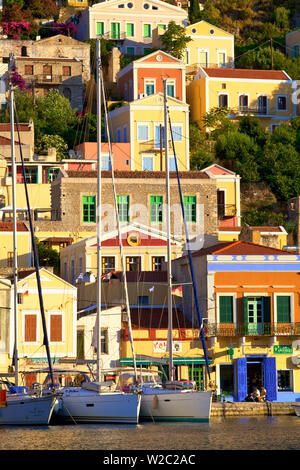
[153, 146]
[255, 110]
[46, 79]
[261, 329]
[115, 36]
[226, 211]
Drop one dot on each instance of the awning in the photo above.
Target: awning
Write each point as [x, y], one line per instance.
[176, 361]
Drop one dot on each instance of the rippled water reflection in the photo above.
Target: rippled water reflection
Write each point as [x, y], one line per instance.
[281, 433]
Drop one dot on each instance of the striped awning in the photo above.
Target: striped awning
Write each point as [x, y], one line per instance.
[128, 361]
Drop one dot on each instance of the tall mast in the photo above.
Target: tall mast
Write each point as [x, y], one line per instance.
[169, 261]
[15, 259]
[98, 210]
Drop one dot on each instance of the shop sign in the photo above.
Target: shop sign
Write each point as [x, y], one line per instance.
[285, 349]
[255, 349]
[161, 346]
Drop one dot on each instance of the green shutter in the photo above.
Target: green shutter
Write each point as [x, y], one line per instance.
[147, 30]
[100, 28]
[189, 204]
[156, 212]
[123, 207]
[267, 309]
[245, 315]
[130, 29]
[226, 309]
[283, 309]
[89, 208]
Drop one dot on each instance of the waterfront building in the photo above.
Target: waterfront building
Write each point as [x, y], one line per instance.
[144, 250]
[24, 255]
[249, 299]
[292, 44]
[60, 305]
[266, 94]
[129, 24]
[275, 237]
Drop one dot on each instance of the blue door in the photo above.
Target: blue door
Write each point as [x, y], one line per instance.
[270, 378]
[241, 365]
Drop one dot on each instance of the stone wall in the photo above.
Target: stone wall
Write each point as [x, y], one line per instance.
[236, 409]
[67, 192]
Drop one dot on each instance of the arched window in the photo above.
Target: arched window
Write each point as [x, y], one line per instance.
[67, 93]
[24, 51]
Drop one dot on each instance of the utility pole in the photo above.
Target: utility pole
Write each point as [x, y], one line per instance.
[272, 64]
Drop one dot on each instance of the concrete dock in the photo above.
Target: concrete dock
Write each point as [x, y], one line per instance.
[236, 409]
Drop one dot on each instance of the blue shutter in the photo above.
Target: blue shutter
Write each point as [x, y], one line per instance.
[270, 378]
[242, 390]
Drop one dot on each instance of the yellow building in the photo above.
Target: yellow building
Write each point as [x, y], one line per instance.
[24, 257]
[210, 47]
[144, 120]
[60, 306]
[78, 3]
[266, 94]
[228, 195]
[292, 44]
[145, 249]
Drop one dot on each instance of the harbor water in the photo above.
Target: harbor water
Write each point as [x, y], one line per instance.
[253, 433]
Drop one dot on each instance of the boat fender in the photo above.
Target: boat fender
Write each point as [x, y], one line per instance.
[3, 402]
[154, 402]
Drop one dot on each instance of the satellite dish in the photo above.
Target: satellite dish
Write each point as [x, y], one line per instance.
[72, 154]
[79, 154]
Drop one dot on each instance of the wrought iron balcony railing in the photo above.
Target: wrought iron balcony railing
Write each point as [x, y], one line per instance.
[226, 210]
[250, 329]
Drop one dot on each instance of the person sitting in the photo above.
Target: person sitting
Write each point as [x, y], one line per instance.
[263, 393]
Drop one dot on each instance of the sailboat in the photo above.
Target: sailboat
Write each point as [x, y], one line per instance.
[18, 407]
[93, 402]
[166, 402]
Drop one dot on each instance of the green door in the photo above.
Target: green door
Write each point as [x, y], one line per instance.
[196, 374]
[255, 316]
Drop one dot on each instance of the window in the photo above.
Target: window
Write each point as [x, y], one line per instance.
[47, 72]
[157, 262]
[143, 300]
[285, 380]
[222, 59]
[171, 89]
[295, 51]
[118, 134]
[273, 127]
[66, 71]
[72, 274]
[161, 27]
[123, 208]
[52, 174]
[223, 101]
[55, 328]
[108, 264]
[156, 209]
[159, 136]
[89, 209]
[28, 69]
[243, 102]
[203, 59]
[262, 103]
[65, 271]
[147, 30]
[10, 258]
[99, 28]
[172, 164]
[67, 93]
[225, 309]
[30, 328]
[105, 162]
[130, 50]
[142, 133]
[177, 133]
[281, 103]
[104, 341]
[130, 29]
[115, 30]
[31, 175]
[80, 344]
[283, 306]
[24, 51]
[147, 163]
[149, 87]
[133, 263]
[189, 204]
[125, 134]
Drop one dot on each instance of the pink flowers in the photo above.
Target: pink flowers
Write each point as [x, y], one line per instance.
[15, 29]
[18, 80]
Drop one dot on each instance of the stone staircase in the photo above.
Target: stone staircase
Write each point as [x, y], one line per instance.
[229, 409]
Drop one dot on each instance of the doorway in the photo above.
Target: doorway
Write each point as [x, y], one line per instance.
[255, 374]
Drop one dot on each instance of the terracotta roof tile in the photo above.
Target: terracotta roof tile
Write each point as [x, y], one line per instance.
[259, 229]
[246, 74]
[137, 174]
[239, 247]
[8, 227]
[157, 317]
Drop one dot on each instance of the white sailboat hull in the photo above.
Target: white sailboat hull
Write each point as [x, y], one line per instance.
[297, 409]
[26, 409]
[83, 406]
[183, 405]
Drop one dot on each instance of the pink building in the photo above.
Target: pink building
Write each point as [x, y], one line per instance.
[87, 154]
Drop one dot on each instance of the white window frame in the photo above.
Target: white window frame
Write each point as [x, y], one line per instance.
[226, 294]
[62, 314]
[172, 81]
[149, 81]
[292, 302]
[293, 380]
[244, 94]
[37, 314]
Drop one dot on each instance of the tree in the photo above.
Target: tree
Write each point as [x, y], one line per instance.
[47, 256]
[175, 40]
[194, 11]
[200, 155]
[49, 141]
[282, 19]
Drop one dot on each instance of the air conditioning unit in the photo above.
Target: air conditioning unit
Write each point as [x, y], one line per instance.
[142, 95]
[48, 77]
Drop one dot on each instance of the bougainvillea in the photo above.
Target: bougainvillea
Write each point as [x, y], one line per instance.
[16, 29]
[18, 80]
